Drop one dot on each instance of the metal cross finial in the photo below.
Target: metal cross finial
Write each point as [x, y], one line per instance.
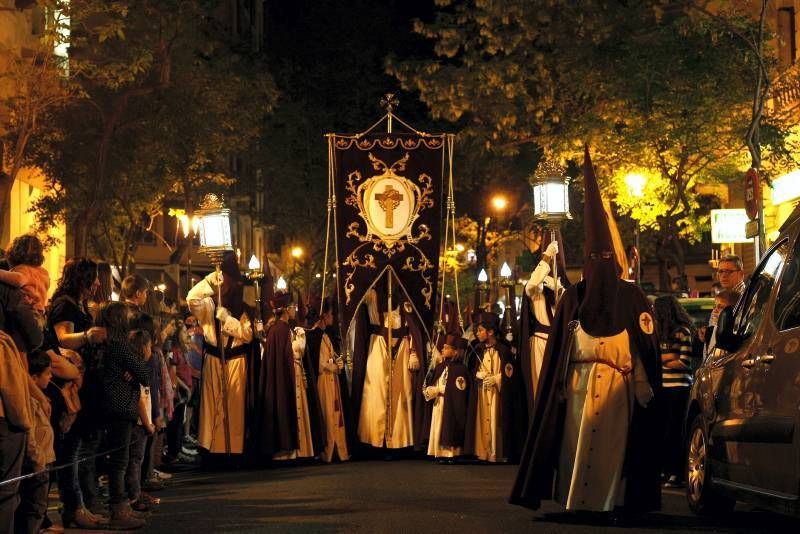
[389, 101]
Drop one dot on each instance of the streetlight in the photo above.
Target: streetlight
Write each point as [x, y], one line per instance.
[507, 283]
[255, 274]
[550, 185]
[190, 225]
[297, 252]
[499, 202]
[483, 288]
[636, 183]
[281, 284]
[215, 240]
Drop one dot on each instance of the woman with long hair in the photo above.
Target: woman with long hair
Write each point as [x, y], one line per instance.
[70, 326]
[102, 290]
[676, 332]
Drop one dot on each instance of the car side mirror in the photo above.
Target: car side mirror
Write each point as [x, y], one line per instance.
[727, 339]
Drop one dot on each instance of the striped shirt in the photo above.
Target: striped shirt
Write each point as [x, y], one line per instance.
[680, 343]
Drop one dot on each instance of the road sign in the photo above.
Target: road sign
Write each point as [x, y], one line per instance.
[751, 229]
[752, 193]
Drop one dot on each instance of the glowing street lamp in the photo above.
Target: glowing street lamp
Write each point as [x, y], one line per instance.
[507, 283]
[636, 183]
[550, 185]
[215, 240]
[281, 284]
[499, 202]
[297, 252]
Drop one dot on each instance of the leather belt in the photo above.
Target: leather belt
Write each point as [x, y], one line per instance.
[230, 354]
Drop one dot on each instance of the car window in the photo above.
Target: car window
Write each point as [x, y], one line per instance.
[751, 312]
[787, 306]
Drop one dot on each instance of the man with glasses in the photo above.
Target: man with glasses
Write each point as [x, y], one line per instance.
[730, 273]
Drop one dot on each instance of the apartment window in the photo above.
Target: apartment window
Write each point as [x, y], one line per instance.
[787, 49]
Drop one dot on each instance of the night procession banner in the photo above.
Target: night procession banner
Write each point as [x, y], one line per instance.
[388, 213]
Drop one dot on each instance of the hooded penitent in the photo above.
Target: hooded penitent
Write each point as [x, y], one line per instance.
[232, 285]
[598, 311]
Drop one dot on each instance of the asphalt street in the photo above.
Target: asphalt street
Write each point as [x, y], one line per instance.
[398, 496]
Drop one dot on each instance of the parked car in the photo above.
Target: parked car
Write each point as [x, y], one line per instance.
[743, 419]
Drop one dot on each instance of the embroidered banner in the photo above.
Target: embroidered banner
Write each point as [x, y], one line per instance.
[388, 206]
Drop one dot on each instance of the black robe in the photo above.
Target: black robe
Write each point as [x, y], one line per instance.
[513, 410]
[274, 405]
[315, 418]
[642, 467]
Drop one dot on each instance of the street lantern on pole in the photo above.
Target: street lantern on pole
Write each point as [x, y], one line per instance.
[550, 185]
[190, 224]
[635, 183]
[215, 240]
[255, 274]
[507, 283]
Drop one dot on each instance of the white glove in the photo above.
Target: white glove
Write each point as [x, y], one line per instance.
[339, 363]
[552, 249]
[413, 362]
[489, 382]
[643, 393]
[330, 367]
[223, 314]
[214, 279]
[480, 375]
[430, 392]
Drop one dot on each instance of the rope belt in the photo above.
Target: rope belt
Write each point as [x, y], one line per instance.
[624, 371]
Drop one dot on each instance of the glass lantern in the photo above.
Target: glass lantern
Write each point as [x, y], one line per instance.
[214, 225]
[550, 193]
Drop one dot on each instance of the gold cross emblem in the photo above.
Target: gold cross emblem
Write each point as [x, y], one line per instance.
[388, 201]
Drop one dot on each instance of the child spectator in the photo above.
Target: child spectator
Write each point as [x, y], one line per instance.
[676, 332]
[33, 491]
[181, 376]
[142, 344]
[26, 256]
[121, 400]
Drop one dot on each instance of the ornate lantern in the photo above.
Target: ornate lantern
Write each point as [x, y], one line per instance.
[214, 227]
[550, 193]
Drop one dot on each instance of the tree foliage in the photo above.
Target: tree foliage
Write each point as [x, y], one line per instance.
[650, 86]
[167, 100]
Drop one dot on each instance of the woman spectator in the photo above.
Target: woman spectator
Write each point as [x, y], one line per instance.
[69, 325]
[123, 375]
[676, 332]
[102, 290]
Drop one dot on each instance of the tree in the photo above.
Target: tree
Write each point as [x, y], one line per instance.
[163, 112]
[648, 86]
[36, 82]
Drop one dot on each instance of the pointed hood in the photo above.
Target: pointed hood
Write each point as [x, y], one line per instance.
[598, 312]
[232, 284]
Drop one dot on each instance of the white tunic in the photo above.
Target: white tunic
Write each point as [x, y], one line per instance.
[599, 408]
[434, 448]
[386, 404]
[211, 433]
[489, 422]
[534, 289]
[330, 399]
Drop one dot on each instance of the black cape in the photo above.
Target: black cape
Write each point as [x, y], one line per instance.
[527, 327]
[513, 410]
[313, 344]
[274, 406]
[642, 467]
[456, 402]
